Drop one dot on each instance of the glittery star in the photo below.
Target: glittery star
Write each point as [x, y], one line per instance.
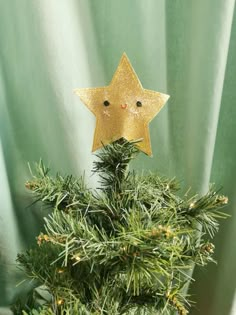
[123, 109]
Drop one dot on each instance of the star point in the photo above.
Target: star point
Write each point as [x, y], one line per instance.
[123, 109]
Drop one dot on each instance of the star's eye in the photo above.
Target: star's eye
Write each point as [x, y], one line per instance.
[106, 103]
[139, 104]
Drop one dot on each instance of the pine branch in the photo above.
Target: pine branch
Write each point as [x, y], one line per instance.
[205, 211]
[61, 192]
[113, 163]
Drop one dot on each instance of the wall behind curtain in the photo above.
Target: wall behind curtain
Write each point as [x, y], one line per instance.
[184, 48]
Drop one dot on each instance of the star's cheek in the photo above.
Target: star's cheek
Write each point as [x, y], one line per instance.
[106, 113]
[134, 112]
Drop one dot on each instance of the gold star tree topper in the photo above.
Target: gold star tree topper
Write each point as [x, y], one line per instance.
[123, 109]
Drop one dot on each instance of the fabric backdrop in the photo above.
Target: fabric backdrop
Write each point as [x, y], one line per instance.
[184, 48]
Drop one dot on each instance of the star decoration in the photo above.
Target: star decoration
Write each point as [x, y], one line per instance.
[123, 109]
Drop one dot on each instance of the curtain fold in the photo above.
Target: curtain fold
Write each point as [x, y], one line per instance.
[184, 48]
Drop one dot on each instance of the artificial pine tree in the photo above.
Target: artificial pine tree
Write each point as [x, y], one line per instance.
[129, 246]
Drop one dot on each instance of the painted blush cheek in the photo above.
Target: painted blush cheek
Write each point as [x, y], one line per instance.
[106, 113]
[134, 112]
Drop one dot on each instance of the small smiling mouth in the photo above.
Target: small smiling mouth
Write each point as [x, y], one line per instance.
[123, 106]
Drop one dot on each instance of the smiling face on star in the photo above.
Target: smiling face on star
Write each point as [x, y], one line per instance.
[115, 102]
[122, 106]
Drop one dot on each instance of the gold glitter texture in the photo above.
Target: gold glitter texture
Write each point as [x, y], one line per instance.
[128, 111]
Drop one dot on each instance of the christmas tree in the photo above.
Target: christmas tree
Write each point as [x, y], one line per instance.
[129, 246]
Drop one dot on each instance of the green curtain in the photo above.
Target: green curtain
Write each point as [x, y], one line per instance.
[184, 48]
